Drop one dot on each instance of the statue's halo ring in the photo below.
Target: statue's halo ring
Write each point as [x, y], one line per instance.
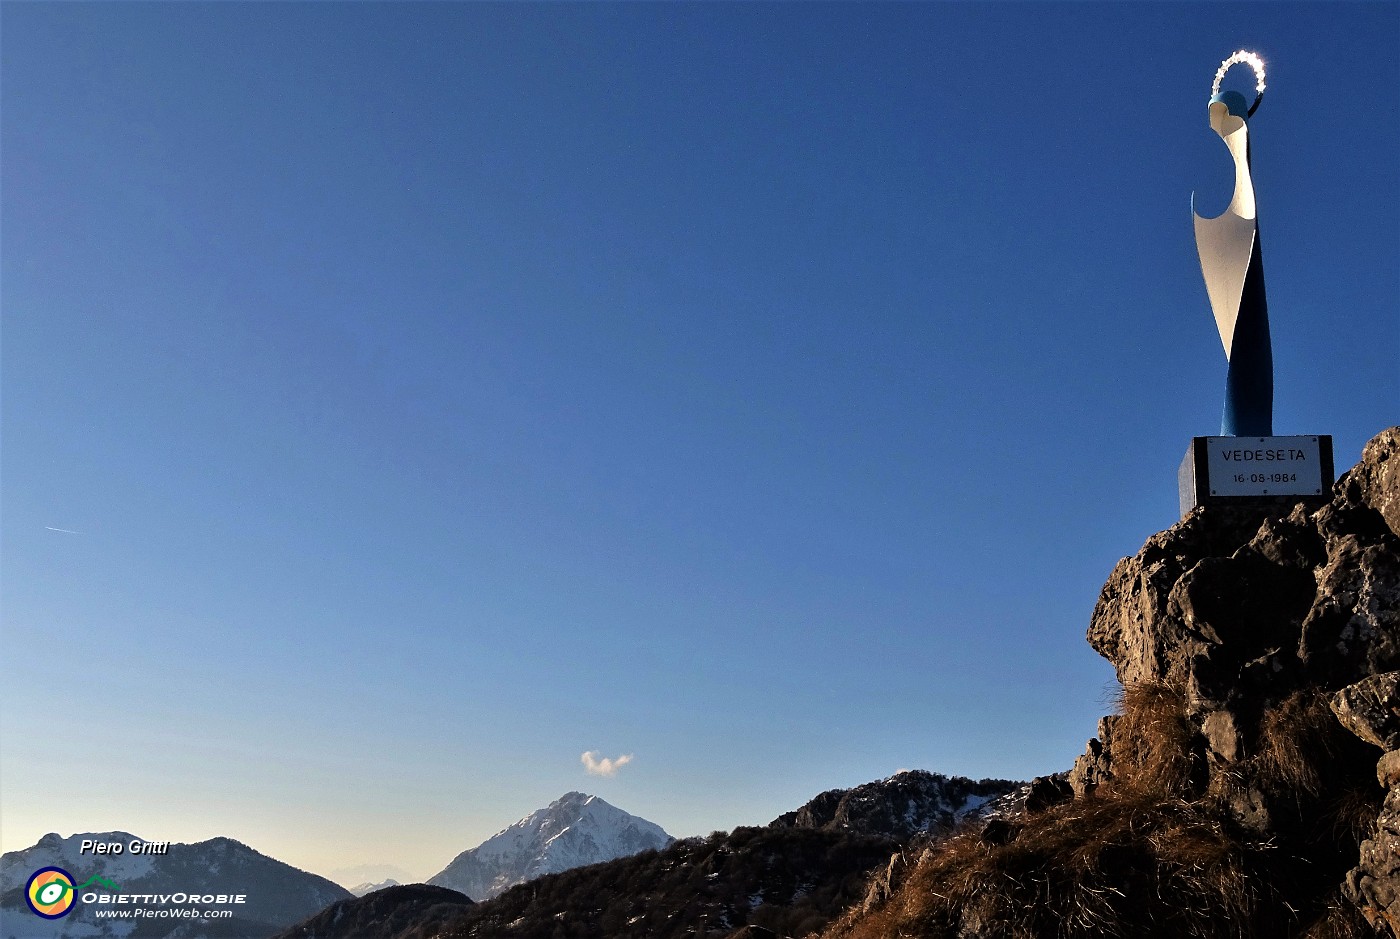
[1242, 57]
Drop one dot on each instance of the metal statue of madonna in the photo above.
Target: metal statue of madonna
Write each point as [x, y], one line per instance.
[1233, 265]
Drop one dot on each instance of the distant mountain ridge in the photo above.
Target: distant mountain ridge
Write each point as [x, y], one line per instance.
[574, 830]
[277, 893]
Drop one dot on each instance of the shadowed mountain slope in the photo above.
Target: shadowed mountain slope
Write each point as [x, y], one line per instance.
[384, 914]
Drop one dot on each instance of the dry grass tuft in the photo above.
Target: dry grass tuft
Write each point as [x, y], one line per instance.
[1297, 742]
[1314, 769]
[1342, 920]
[1350, 816]
[1153, 741]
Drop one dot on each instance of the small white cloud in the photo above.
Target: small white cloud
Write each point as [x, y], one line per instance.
[593, 765]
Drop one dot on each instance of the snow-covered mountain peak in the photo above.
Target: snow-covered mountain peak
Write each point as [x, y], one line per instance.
[573, 830]
[360, 890]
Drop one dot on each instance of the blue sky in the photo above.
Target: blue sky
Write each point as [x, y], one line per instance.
[441, 391]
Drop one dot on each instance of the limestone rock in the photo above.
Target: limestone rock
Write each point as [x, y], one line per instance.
[1092, 769]
[1374, 884]
[1388, 769]
[1371, 709]
[1222, 736]
[883, 884]
[1377, 477]
[1134, 625]
[1047, 791]
[1353, 629]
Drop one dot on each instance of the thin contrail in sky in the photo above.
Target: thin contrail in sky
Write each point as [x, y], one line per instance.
[66, 531]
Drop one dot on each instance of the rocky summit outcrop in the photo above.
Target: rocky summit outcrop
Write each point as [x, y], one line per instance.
[1252, 615]
[1237, 791]
[1240, 606]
